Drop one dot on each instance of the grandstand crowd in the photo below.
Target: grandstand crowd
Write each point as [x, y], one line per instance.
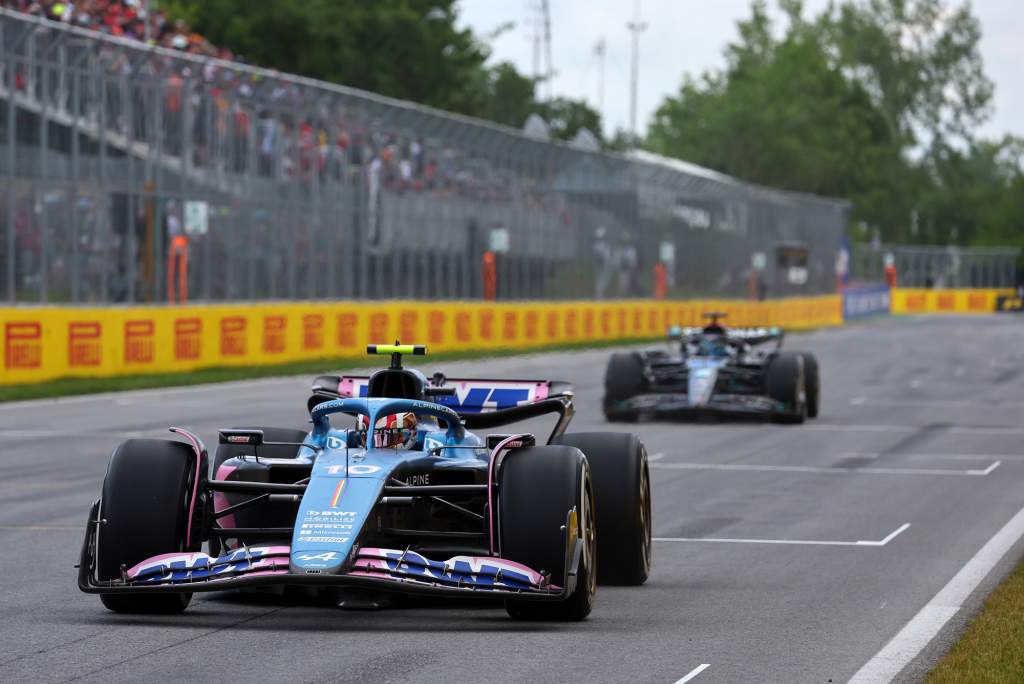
[241, 122]
[122, 18]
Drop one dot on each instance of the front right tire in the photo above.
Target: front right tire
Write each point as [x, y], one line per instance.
[623, 378]
[784, 379]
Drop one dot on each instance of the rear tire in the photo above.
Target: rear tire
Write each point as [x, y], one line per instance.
[785, 383]
[622, 495]
[145, 508]
[623, 378]
[812, 384]
[538, 486]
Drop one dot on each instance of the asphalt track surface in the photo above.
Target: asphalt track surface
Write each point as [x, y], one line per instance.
[920, 426]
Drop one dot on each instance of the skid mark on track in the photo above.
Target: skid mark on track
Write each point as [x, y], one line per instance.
[175, 645]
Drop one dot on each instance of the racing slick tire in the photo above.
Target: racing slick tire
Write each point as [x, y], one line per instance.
[812, 384]
[622, 496]
[623, 378]
[270, 434]
[538, 486]
[784, 378]
[144, 509]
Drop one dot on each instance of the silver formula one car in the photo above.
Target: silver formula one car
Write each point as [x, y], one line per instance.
[714, 371]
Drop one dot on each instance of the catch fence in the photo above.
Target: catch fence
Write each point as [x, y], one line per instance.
[136, 174]
[939, 267]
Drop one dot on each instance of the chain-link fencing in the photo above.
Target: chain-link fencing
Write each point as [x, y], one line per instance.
[137, 174]
[936, 266]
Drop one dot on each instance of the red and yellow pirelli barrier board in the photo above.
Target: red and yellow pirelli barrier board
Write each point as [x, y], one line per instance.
[909, 300]
[42, 343]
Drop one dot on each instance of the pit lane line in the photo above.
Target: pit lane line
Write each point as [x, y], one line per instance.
[796, 542]
[885, 665]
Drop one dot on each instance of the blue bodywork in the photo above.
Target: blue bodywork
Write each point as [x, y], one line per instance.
[346, 481]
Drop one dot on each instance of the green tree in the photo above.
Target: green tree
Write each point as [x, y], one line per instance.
[782, 114]
[567, 117]
[921, 61]
[859, 102]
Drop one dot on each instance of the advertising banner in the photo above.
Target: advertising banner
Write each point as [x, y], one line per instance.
[43, 343]
[872, 300]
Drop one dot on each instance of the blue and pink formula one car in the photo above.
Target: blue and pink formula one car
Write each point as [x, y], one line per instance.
[403, 500]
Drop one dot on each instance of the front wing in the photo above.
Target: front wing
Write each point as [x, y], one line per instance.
[679, 404]
[390, 570]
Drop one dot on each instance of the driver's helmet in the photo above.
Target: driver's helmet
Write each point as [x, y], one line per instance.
[394, 431]
[713, 345]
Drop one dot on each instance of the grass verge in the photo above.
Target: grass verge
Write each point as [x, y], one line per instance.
[62, 387]
[992, 647]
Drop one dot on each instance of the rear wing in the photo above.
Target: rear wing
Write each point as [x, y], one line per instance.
[480, 403]
[741, 336]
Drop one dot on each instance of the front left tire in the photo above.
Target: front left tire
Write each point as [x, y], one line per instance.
[538, 486]
[144, 507]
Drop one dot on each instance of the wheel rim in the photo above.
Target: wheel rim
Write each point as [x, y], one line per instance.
[589, 536]
[645, 514]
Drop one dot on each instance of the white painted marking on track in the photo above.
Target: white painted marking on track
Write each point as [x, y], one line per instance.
[795, 542]
[955, 430]
[938, 403]
[857, 401]
[692, 674]
[922, 628]
[656, 456]
[892, 535]
[935, 457]
[821, 470]
[986, 471]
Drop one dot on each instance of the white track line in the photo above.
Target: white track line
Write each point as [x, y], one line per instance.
[796, 542]
[986, 471]
[953, 430]
[934, 457]
[923, 627]
[689, 676]
[822, 470]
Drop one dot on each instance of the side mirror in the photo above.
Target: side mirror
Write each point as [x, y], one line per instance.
[248, 437]
[523, 441]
